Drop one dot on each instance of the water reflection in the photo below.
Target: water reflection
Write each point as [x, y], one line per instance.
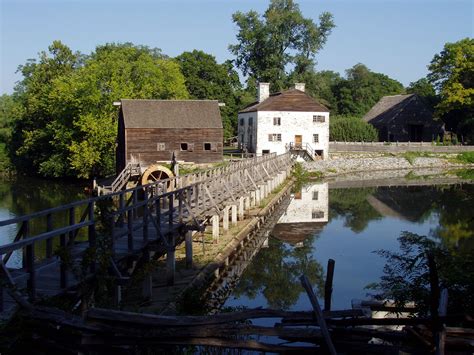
[25, 195]
[349, 224]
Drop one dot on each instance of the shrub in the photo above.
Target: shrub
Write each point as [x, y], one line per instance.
[466, 157]
[351, 129]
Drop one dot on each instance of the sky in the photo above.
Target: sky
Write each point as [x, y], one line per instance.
[396, 37]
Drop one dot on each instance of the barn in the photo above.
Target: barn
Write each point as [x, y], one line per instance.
[150, 131]
[404, 118]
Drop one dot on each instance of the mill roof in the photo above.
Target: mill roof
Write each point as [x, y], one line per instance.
[289, 100]
[389, 107]
[171, 113]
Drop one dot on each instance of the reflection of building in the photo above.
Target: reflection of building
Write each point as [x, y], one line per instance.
[306, 214]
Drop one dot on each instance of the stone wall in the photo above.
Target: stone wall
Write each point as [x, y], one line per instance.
[395, 147]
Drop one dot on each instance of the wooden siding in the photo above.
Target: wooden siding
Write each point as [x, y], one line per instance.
[142, 143]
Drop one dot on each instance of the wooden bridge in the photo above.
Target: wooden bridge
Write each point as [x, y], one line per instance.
[127, 227]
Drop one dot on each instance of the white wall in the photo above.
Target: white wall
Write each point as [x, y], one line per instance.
[247, 131]
[301, 210]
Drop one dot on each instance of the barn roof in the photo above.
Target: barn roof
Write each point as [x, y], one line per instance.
[289, 100]
[389, 107]
[171, 114]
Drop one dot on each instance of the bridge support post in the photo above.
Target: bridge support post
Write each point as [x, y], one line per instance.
[170, 261]
[247, 202]
[189, 249]
[225, 218]
[215, 228]
[241, 208]
[117, 295]
[257, 197]
[234, 214]
[147, 286]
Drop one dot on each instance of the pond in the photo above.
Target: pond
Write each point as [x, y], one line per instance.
[24, 195]
[348, 225]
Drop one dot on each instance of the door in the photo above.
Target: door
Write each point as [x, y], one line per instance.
[298, 142]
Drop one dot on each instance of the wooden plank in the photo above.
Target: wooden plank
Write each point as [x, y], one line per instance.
[319, 314]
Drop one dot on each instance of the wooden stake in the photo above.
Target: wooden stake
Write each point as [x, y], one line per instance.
[319, 314]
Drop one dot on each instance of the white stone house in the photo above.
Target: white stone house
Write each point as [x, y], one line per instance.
[288, 119]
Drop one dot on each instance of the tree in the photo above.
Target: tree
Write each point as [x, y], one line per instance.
[362, 88]
[77, 127]
[320, 85]
[32, 140]
[268, 45]
[423, 88]
[206, 79]
[9, 112]
[452, 74]
[351, 129]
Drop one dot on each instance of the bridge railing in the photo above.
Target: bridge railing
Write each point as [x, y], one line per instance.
[162, 208]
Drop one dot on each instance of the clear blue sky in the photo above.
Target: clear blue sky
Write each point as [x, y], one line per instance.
[398, 38]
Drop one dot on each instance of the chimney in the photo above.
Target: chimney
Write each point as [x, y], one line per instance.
[300, 86]
[263, 91]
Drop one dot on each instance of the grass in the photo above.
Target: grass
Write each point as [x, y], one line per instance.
[465, 158]
[411, 156]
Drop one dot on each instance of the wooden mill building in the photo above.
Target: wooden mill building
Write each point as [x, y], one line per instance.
[150, 131]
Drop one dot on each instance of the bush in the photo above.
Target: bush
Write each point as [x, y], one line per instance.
[351, 129]
[466, 157]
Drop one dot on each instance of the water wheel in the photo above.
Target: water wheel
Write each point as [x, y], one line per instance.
[156, 173]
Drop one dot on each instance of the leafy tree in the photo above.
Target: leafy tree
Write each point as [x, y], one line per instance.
[423, 88]
[320, 85]
[9, 112]
[32, 139]
[70, 125]
[281, 38]
[362, 88]
[452, 74]
[351, 129]
[206, 79]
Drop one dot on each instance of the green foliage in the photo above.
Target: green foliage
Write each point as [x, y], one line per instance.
[205, 79]
[452, 74]
[406, 274]
[268, 45]
[362, 88]
[465, 157]
[424, 89]
[351, 129]
[411, 156]
[69, 124]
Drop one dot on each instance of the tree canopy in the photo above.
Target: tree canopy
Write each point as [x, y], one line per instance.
[452, 74]
[206, 79]
[68, 105]
[279, 40]
[362, 88]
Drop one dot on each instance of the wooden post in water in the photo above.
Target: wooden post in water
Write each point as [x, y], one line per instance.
[318, 313]
[328, 285]
[225, 219]
[189, 249]
[215, 228]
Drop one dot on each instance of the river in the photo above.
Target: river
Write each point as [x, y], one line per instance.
[349, 225]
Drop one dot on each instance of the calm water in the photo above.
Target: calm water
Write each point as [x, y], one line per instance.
[348, 225]
[22, 195]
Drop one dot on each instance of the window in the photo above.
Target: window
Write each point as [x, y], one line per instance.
[317, 214]
[265, 151]
[241, 121]
[250, 121]
[183, 146]
[277, 121]
[207, 146]
[160, 147]
[274, 137]
[315, 195]
[315, 138]
[319, 119]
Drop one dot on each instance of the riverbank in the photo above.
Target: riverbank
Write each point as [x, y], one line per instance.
[369, 163]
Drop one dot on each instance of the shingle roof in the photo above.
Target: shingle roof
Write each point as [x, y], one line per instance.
[290, 100]
[171, 114]
[388, 107]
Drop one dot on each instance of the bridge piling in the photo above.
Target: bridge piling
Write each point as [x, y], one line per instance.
[225, 219]
[189, 249]
[215, 228]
